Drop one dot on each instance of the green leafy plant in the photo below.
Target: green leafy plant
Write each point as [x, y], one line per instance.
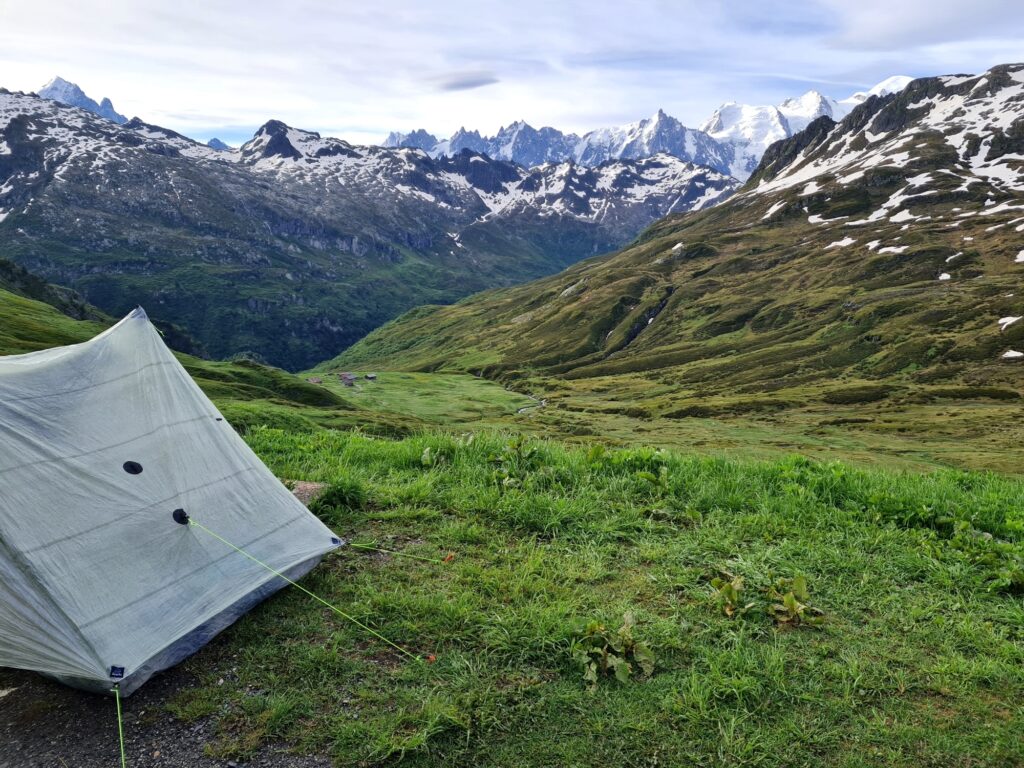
[659, 481]
[517, 458]
[602, 653]
[728, 593]
[790, 603]
[596, 455]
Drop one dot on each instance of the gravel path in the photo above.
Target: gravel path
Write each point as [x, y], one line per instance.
[47, 725]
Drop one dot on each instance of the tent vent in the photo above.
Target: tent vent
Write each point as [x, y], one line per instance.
[133, 468]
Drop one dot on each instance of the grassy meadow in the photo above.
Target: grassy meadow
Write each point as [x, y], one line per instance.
[797, 613]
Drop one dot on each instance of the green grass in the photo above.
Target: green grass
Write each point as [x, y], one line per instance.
[919, 662]
[449, 400]
[27, 325]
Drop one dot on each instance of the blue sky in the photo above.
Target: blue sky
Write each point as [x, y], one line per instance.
[358, 70]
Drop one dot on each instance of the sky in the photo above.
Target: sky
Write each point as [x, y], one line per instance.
[361, 69]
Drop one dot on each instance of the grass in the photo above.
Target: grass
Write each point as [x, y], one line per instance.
[919, 661]
[449, 400]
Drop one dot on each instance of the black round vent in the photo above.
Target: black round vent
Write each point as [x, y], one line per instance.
[133, 468]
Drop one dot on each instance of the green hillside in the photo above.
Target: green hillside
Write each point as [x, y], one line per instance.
[851, 284]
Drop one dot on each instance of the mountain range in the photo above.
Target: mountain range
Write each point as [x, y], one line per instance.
[295, 245]
[877, 260]
[731, 141]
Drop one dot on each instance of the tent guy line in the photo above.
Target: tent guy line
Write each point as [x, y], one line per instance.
[192, 523]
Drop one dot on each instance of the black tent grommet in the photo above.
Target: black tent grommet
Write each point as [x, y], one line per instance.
[180, 516]
[132, 467]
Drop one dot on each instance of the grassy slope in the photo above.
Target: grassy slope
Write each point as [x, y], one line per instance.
[451, 401]
[250, 394]
[919, 661]
[756, 323]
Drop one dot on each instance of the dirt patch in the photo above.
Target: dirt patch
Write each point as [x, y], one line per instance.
[305, 491]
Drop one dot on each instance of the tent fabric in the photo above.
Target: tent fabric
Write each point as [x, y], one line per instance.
[95, 574]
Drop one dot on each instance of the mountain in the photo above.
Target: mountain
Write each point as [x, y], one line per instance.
[525, 145]
[749, 130]
[216, 143]
[893, 84]
[731, 141]
[418, 139]
[70, 94]
[874, 260]
[295, 245]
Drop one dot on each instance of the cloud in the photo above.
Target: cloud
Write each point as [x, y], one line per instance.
[366, 69]
[465, 81]
[873, 25]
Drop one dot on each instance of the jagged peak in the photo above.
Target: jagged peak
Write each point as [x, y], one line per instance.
[70, 94]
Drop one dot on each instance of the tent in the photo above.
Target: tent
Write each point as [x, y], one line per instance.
[105, 446]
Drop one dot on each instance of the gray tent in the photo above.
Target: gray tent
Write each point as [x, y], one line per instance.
[100, 443]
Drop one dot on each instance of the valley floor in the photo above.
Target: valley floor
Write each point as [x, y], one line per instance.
[975, 434]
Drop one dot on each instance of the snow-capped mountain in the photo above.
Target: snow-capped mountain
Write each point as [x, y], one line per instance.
[70, 94]
[295, 245]
[751, 129]
[528, 146]
[893, 84]
[975, 119]
[731, 141]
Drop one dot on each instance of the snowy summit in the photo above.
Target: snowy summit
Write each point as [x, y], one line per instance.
[59, 89]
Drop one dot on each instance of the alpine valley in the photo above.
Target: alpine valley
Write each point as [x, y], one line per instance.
[294, 246]
[862, 289]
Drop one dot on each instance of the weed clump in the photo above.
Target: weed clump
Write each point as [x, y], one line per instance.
[601, 652]
[339, 498]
